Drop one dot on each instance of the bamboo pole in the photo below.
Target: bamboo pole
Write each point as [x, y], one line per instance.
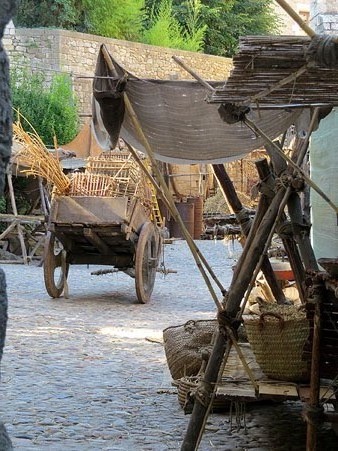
[194, 249]
[193, 74]
[296, 17]
[174, 213]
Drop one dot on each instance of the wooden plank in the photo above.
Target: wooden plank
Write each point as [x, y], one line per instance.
[278, 389]
[325, 392]
[89, 210]
[233, 390]
[23, 219]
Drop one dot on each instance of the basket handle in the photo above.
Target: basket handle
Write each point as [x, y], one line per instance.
[262, 317]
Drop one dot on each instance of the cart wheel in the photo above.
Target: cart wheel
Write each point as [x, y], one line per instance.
[146, 262]
[55, 266]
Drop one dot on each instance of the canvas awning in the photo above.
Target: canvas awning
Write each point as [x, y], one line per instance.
[179, 124]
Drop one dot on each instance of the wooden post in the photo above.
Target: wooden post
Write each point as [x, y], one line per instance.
[241, 278]
[311, 434]
[246, 223]
[15, 211]
[301, 238]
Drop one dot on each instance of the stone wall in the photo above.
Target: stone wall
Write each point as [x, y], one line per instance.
[324, 16]
[75, 53]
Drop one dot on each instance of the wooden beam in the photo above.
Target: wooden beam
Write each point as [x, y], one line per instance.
[246, 223]
[23, 219]
[311, 434]
[96, 241]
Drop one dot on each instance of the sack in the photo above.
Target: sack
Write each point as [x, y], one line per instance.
[277, 341]
[183, 346]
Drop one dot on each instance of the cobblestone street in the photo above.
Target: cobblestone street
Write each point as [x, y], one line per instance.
[89, 372]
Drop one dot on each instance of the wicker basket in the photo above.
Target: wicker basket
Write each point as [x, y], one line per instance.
[277, 340]
[186, 392]
[183, 346]
[233, 372]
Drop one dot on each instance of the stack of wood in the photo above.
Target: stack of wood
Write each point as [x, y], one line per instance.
[278, 70]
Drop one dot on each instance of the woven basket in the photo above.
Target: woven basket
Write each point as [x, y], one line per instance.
[186, 391]
[183, 346]
[233, 372]
[277, 341]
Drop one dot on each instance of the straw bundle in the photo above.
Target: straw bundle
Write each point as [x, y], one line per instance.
[34, 155]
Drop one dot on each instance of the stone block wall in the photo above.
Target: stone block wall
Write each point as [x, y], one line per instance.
[76, 53]
[324, 16]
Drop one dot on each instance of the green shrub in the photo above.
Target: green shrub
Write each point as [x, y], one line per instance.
[165, 30]
[49, 107]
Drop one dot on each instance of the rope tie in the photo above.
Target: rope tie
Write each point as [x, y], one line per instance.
[323, 50]
[244, 219]
[284, 230]
[265, 189]
[203, 392]
[225, 322]
[283, 181]
[231, 113]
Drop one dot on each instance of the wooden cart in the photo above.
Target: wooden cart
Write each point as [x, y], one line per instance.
[114, 231]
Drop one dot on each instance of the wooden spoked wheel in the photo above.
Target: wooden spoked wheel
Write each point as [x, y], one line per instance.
[55, 266]
[146, 261]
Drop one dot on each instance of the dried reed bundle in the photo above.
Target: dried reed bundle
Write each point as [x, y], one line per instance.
[34, 155]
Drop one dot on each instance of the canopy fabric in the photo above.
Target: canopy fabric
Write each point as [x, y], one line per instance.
[180, 125]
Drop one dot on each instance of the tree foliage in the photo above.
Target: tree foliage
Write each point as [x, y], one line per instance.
[49, 107]
[113, 18]
[212, 26]
[235, 18]
[227, 20]
[164, 29]
[45, 13]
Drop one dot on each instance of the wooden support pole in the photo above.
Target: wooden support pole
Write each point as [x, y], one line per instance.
[173, 212]
[15, 211]
[302, 238]
[296, 17]
[246, 223]
[311, 434]
[295, 166]
[240, 281]
[197, 255]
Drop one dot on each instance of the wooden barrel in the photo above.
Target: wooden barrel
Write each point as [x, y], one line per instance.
[186, 211]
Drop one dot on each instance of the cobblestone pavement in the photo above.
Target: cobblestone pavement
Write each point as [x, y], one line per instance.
[88, 373]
